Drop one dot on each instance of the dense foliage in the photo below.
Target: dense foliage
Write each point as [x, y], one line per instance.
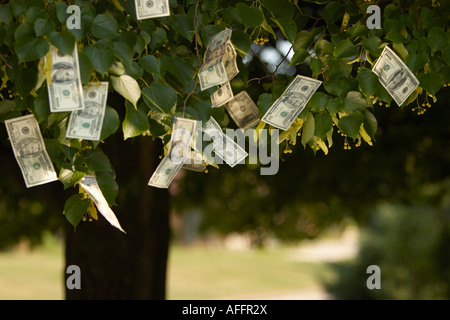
[162, 57]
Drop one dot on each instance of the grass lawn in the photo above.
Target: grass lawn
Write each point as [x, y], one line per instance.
[194, 273]
[214, 273]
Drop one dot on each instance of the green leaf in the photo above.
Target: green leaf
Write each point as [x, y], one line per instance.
[64, 41]
[241, 41]
[111, 123]
[123, 52]
[299, 57]
[96, 160]
[323, 47]
[331, 12]
[101, 55]
[279, 8]
[150, 64]
[86, 67]
[339, 86]
[345, 49]
[183, 24]
[43, 27]
[288, 27]
[368, 82]
[308, 129]
[335, 105]
[351, 124]
[69, 177]
[104, 26]
[251, 17]
[127, 87]
[446, 55]
[396, 37]
[323, 124]
[41, 108]
[430, 82]
[30, 48]
[303, 40]
[34, 13]
[231, 16]
[183, 71]
[370, 124]
[318, 101]
[372, 45]
[354, 101]
[160, 97]
[316, 65]
[75, 208]
[339, 68]
[415, 62]
[265, 101]
[107, 183]
[437, 39]
[135, 122]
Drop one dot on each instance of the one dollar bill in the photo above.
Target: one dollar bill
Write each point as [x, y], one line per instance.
[147, 9]
[29, 150]
[395, 76]
[87, 124]
[222, 95]
[286, 109]
[65, 90]
[90, 185]
[224, 147]
[243, 111]
[165, 173]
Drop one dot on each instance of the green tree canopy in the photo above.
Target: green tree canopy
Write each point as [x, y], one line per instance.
[154, 64]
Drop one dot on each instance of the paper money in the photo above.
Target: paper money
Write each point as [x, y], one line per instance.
[212, 74]
[243, 111]
[286, 109]
[65, 91]
[90, 185]
[182, 134]
[146, 9]
[395, 76]
[87, 124]
[222, 95]
[165, 173]
[224, 147]
[219, 39]
[29, 150]
[195, 162]
[219, 61]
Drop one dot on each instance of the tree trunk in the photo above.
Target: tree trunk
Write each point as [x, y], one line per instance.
[125, 266]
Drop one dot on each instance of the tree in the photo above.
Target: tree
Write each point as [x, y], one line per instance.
[154, 64]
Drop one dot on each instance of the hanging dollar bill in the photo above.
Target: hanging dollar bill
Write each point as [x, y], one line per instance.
[286, 109]
[147, 9]
[165, 173]
[29, 150]
[182, 133]
[395, 76]
[219, 64]
[212, 74]
[219, 39]
[90, 185]
[87, 124]
[243, 111]
[65, 91]
[222, 95]
[224, 147]
[195, 162]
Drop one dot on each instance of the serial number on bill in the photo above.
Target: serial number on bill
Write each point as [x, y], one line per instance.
[232, 309]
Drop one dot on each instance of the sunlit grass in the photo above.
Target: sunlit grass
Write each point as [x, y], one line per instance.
[193, 273]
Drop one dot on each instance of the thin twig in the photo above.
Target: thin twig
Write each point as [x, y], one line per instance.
[195, 33]
[6, 62]
[274, 74]
[189, 95]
